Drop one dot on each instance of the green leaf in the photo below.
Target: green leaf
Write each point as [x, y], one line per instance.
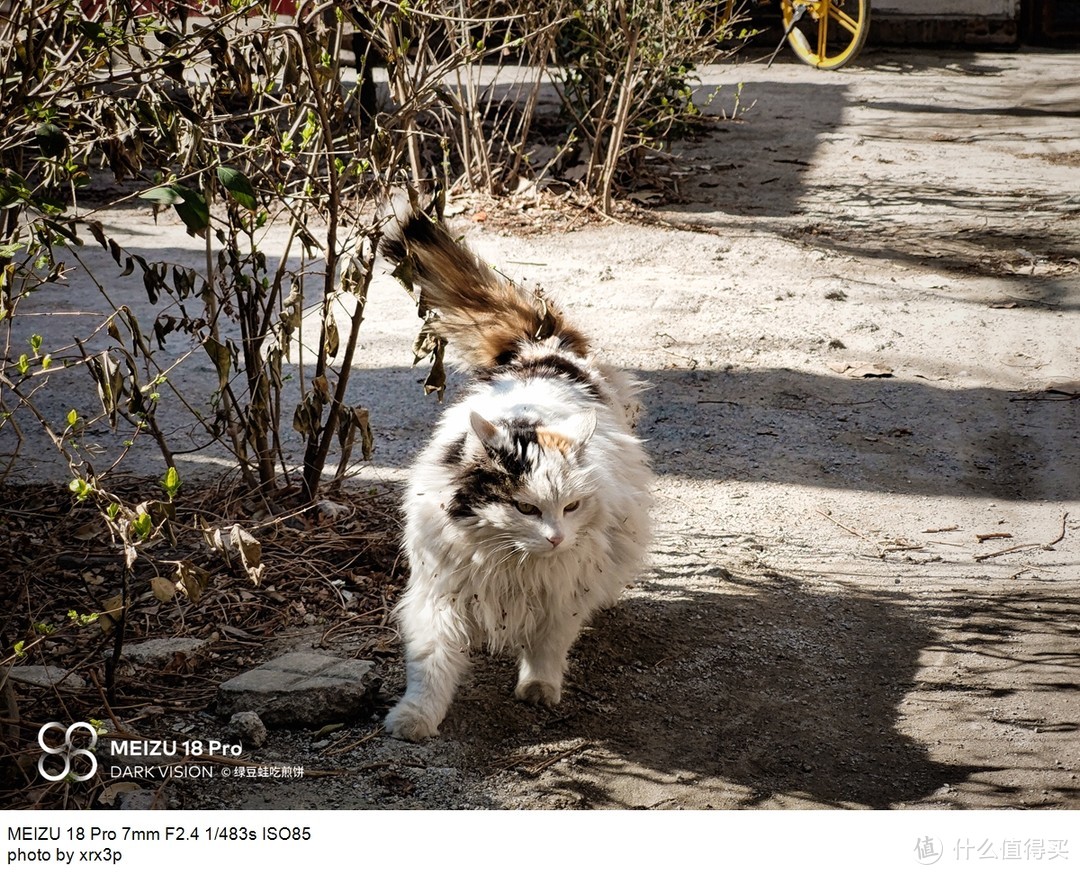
[238, 186]
[189, 204]
[93, 30]
[142, 525]
[51, 140]
[171, 483]
[164, 194]
[72, 418]
[192, 210]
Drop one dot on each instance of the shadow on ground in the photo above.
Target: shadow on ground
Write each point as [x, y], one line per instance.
[807, 153]
[887, 435]
[768, 688]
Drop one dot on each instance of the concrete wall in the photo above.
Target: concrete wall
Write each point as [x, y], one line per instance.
[980, 8]
[964, 22]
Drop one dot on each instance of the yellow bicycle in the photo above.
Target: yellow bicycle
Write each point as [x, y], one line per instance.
[826, 34]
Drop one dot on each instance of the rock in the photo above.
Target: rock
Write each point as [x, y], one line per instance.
[46, 676]
[300, 689]
[247, 728]
[158, 651]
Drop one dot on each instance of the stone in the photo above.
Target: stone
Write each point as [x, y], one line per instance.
[301, 689]
[247, 728]
[158, 651]
[46, 676]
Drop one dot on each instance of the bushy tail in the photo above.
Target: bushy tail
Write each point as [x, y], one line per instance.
[484, 316]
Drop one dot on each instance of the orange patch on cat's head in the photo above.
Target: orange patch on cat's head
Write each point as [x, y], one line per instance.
[552, 440]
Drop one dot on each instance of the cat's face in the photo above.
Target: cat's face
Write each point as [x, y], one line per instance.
[532, 492]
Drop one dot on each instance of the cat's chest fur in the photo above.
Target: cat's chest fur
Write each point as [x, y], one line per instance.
[480, 565]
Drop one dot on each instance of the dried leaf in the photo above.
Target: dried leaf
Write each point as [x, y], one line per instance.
[164, 589]
[426, 343]
[250, 552]
[308, 414]
[436, 378]
[110, 612]
[192, 580]
[290, 315]
[221, 356]
[110, 383]
[333, 339]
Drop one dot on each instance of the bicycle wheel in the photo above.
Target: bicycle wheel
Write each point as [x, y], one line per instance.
[829, 33]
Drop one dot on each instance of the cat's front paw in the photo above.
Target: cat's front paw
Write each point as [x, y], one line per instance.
[408, 721]
[537, 692]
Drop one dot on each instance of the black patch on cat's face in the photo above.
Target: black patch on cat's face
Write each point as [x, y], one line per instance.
[547, 368]
[477, 486]
[495, 479]
[515, 458]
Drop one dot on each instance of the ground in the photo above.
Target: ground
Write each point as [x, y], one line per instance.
[823, 622]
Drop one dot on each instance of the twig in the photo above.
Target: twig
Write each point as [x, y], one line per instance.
[1061, 537]
[534, 771]
[990, 536]
[1049, 545]
[942, 529]
[1015, 549]
[351, 747]
[845, 528]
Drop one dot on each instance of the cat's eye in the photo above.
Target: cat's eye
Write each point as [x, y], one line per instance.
[526, 508]
[572, 506]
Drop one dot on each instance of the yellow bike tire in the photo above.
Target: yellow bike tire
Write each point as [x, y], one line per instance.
[830, 34]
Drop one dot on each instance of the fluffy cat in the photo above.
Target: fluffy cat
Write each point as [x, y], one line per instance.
[529, 509]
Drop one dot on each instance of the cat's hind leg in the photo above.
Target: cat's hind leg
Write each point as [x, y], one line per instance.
[543, 661]
[436, 656]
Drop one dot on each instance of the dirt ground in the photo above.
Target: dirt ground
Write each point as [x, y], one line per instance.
[821, 624]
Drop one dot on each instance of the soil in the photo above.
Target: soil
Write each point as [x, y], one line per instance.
[858, 323]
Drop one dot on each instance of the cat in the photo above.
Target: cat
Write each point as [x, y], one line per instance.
[529, 508]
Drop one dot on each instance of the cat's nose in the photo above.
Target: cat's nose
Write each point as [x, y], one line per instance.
[555, 540]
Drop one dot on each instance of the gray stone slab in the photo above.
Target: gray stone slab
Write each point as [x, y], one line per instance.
[300, 689]
[46, 676]
[157, 651]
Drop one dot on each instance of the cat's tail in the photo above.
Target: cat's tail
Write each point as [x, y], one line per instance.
[485, 316]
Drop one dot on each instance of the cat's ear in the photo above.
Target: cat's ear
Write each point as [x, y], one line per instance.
[581, 427]
[483, 429]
